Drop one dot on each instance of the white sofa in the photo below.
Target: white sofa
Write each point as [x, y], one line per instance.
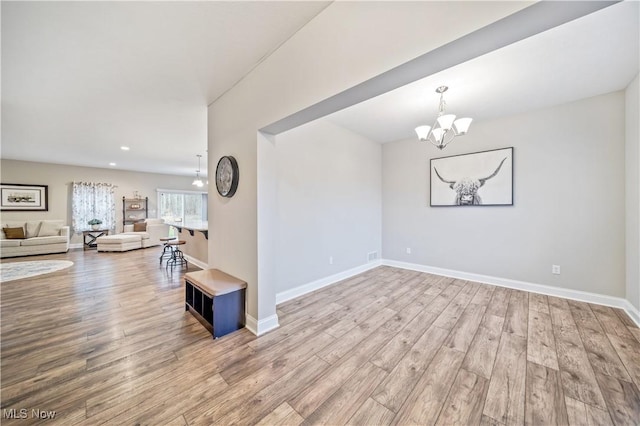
[42, 237]
[156, 229]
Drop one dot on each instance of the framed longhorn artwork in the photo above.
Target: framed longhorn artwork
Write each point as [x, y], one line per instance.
[477, 179]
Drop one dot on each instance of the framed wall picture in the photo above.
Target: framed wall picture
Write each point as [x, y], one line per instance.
[477, 179]
[18, 197]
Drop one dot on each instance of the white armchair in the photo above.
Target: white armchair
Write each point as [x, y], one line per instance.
[155, 229]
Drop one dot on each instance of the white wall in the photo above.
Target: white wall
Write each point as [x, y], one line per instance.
[632, 171]
[60, 178]
[329, 202]
[568, 206]
[345, 44]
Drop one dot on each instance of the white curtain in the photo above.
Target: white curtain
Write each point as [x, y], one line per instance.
[93, 201]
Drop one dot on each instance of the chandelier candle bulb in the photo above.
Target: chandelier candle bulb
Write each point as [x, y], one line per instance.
[423, 132]
[461, 125]
[446, 121]
[438, 133]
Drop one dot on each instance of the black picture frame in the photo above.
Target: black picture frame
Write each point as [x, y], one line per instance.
[19, 197]
[479, 179]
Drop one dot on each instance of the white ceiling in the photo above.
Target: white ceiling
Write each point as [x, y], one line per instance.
[596, 54]
[81, 79]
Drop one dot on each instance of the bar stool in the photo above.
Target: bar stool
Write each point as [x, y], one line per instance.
[177, 257]
[167, 249]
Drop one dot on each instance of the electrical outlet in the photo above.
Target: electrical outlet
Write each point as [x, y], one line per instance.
[330, 260]
[555, 269]
[408, 250]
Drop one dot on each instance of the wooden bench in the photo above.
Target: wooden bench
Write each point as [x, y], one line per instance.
[216, 299]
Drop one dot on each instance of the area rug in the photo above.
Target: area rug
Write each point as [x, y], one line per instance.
[19, 270]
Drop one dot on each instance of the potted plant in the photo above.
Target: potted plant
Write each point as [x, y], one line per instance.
[95, 224]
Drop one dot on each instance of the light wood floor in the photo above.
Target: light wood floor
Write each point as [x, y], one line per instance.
[108, 341]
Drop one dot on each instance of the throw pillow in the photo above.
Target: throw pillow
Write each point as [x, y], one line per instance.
[33, 228]
[14, 233]
[48, 229]
[139, 227]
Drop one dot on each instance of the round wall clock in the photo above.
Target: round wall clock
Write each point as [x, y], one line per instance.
[227, 176]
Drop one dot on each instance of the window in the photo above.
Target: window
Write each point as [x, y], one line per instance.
[182, 206]
[93, 201]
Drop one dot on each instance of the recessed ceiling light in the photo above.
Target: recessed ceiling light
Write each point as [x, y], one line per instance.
[112, 164]
[125, 148]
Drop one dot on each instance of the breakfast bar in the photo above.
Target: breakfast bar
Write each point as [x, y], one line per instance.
[195, 234]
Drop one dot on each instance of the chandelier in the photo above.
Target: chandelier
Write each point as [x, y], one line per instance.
[446, 127]
[197, 181]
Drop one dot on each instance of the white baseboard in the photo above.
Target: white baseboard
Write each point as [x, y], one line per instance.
[200, 264]
[263, 326]
[582, 296]
[323, 282]
[75, 246]
[632, 311]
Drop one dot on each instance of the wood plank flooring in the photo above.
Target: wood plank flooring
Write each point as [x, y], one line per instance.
[107, 341]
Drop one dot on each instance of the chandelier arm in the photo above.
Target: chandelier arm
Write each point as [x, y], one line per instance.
[431, 138]
[444, 139]
[439, 144]
[453, 135]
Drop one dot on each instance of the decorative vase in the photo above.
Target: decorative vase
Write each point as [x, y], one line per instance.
[95, 227]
